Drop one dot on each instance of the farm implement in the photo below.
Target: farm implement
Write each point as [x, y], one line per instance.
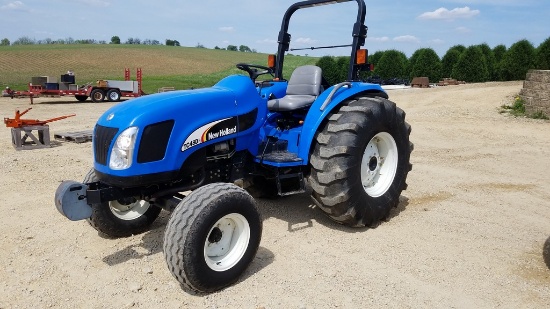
[17, 122]
[243, 136]
[30, 133]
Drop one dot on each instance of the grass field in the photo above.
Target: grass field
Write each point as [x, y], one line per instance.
[162, 66]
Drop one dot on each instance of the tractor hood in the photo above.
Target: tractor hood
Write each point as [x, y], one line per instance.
[231, 96]
[170, 126]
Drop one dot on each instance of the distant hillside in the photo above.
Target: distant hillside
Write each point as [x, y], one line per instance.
[180, 67]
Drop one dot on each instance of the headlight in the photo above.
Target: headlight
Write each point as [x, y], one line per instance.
[123, 150]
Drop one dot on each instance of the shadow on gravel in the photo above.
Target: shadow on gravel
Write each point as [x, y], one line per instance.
[300, 212]
[546, 252]
[151, 243]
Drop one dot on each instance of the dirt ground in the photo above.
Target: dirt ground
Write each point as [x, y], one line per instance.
[468, 233]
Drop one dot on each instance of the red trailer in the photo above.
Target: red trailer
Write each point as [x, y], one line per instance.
[112, 90]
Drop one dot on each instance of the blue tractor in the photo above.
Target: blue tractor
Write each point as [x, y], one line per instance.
[203, 153]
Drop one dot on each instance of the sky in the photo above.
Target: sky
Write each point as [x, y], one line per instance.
[397, 24]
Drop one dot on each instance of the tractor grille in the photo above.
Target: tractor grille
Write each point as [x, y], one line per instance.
[103, 137]
[154, 141]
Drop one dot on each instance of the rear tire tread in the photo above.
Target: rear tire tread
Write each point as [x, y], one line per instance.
[332, 160]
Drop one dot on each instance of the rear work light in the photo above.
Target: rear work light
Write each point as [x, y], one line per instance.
[271, 59]
[361, 56]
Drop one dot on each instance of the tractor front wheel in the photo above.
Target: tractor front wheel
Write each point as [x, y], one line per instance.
[212, 237]
[121, 218]
[361, 161]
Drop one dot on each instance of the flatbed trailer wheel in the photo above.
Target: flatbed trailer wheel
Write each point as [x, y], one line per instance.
[81, 98]
[113, 95]
[212, 237]
[121, 218]
[97, 95]
[361, 161]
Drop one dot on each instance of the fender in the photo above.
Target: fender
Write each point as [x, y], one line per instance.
[320, 110]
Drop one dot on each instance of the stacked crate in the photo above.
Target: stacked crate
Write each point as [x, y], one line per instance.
[536, 92]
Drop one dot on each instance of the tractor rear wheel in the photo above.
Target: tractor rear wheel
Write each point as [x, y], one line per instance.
[121, 218]
[212, 237]
[360, 161]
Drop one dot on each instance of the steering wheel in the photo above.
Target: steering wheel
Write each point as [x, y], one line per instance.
[255, 70]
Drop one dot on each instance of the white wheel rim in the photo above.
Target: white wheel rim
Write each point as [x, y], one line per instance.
[379, 164]
[113, 96]
[130, 211]
[226, 242]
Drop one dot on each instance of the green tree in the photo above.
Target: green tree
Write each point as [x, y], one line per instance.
[471, 66]
[542, 60]
[342, 64]
[245, 49]
[25, 40]
[372, 59]
[115, 39]
[459, 48]
[490, 60]
[172, 42]
[518, 60]
[392, 64]
[375, 58]
[448, 62]
[427, 63]
[134, 41]
[330, 69]
[499, 52]
[5, 42]
[412, 62]
[232, 48]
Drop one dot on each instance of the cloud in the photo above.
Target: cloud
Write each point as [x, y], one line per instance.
[406, 39]
[267, 41]
[437, 41]
[497, 2]
[445, 14]
[96, 3]
[463, 30]
[382, 39]
[226, 29]
[305, 41]
[13, 6]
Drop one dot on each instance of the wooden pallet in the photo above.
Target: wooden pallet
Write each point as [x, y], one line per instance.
[76, 137]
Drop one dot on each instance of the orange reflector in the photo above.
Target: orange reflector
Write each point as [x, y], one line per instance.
[361, 56]
[271, 61]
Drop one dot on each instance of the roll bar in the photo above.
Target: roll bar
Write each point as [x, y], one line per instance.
[359, 34]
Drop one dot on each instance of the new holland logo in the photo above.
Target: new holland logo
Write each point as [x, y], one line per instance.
[210, 131]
